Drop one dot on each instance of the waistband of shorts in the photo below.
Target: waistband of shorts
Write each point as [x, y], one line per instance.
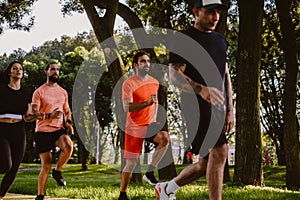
[53, 132]
[11, 116]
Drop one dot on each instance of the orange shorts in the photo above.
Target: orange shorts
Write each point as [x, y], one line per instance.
[134, 138]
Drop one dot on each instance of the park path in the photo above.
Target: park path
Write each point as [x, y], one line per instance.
[11, 196]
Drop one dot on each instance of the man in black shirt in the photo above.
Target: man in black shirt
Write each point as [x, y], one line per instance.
[216, 110]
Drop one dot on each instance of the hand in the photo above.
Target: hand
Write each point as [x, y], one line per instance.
[152, 99]
[70, 128]
[56, 114]
[40, 115]
[229, 121]
[212, 95]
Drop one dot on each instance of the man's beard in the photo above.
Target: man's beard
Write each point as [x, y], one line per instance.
[143, 72]
[53, 79]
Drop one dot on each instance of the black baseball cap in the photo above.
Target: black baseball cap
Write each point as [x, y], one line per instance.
[210, 4]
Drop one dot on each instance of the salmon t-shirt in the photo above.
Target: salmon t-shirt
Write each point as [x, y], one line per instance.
[50, 98]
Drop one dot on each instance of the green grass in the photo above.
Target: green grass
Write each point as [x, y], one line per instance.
[101, 182]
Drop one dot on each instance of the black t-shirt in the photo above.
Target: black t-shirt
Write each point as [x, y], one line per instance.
[13, 101]
[215, 44]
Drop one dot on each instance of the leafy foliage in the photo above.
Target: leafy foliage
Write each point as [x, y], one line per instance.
[16, 15]
[69, 6]
[162, 13]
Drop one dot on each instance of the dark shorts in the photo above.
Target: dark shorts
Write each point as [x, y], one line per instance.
[205, 125]
[45, 141]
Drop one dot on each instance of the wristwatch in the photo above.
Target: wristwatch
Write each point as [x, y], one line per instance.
[197, 89]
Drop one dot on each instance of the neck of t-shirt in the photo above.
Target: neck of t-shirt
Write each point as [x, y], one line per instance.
[143, 78]
[198, 27]
[51, 84]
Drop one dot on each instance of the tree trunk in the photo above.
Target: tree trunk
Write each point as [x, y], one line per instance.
[221, 28]
[82, 154]
[167, 172]
[30, 153]
[103, 28]
[248, 161]
[291, 135]
[226, 177]
[280, 151]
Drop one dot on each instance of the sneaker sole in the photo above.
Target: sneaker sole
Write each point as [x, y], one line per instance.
[64, 183]
[147, 180]
[157, 193]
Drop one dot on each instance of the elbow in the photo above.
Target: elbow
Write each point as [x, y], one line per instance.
[126, 108]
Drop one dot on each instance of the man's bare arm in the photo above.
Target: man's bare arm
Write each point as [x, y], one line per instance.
[228, 89]
[182, 81]
[186, 84]
[129, 106]
[229, 119]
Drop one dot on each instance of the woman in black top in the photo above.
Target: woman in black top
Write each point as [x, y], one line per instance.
[14, 104]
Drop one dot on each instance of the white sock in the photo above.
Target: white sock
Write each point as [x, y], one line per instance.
[172, 187]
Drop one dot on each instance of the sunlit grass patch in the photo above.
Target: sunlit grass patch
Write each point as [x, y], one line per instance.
[101, 182]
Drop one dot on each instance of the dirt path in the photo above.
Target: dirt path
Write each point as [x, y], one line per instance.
[11, 196]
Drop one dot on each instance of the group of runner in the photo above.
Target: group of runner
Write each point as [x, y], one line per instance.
[50, 109]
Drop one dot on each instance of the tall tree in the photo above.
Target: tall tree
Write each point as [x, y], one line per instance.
[291, 132]
[248, 169]
[272, 80]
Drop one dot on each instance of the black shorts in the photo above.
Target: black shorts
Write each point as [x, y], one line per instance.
[45, 141]
[152, 130]
[205, 126]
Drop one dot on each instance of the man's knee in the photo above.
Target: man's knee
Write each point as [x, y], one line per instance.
[65, 143]
[201, 165]
[130, 165]
[46, 167]
[163, 138]
[219, 153]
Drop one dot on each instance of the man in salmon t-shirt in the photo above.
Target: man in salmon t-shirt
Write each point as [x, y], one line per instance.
[52, 100]
[139, 94]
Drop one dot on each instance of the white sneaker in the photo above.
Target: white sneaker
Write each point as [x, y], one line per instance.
[160, 189]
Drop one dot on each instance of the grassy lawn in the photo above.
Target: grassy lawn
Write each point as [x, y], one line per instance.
[101, 182]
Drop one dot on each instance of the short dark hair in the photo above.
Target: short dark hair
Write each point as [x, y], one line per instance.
[5, 74]
[50, 63]
[136, 56]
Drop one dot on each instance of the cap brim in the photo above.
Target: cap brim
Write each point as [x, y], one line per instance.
[221, 6]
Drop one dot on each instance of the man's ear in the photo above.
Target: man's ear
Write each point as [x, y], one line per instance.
[195, 11]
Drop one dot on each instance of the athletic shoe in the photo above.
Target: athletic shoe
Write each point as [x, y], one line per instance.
[59, 179]
[160, 189]
[150, 178]
[123, 196]
[39, 197]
